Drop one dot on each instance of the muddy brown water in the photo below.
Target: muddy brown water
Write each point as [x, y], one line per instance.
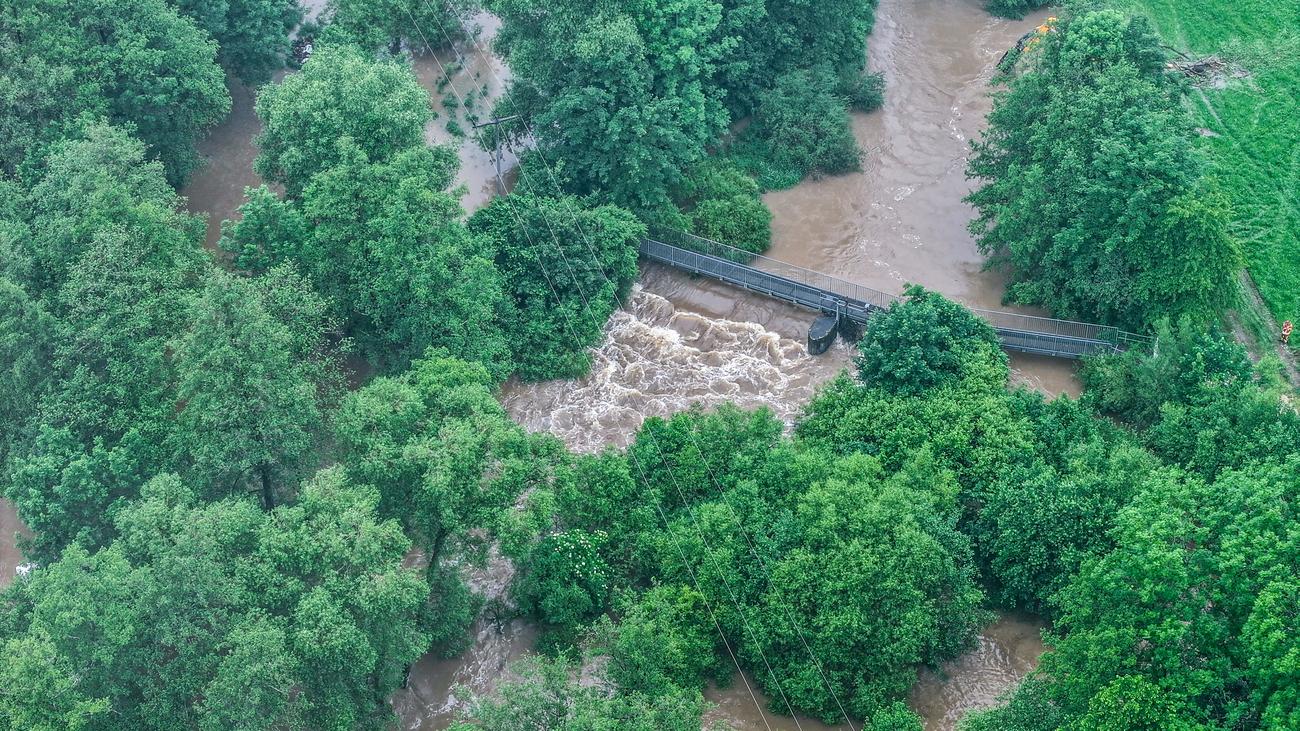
[217, 189]
[11, 528]
[681, 340]
[1004, 652]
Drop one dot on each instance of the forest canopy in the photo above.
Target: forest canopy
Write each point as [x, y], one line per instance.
[258, 477]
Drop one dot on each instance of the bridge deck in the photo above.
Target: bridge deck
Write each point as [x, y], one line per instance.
[806, 288]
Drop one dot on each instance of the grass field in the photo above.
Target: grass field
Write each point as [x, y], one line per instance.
[1256, 153]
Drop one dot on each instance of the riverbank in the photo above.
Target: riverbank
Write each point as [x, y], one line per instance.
[681, 341]
[11, 527]
[684, 340]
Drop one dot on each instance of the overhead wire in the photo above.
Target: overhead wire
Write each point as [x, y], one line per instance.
[644, 481]
[690, 434]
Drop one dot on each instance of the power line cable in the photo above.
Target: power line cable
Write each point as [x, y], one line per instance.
[690, 434]
[659, 508]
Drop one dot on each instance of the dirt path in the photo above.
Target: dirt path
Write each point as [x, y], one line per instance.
[1255, 305]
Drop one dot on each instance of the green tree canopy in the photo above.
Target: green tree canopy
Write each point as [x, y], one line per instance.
[448, 464]
[802, 126]
[137, 63]
[925, 340]
[566, 267]
[252, 35]
[545, 698]
[442, 452]
[387, 245]
[392, 24]
[341, 92]
[1092, 188]
[111, 260]
[619, 95]
[859, 577]
[218, 616]
[247, 390]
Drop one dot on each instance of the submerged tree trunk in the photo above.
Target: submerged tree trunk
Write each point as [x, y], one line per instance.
[268, 493]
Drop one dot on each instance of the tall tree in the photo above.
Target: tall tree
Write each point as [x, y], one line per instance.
[566, 267]
[925, 340]
[776, 37]
[619, 95]
[252, 35]
[246, 404]
[388, 245]
[26, 348]
[1092, 188]
[112, 261]
[438, 446]
[341, 92]
[134, 62]
[219, 616]
[394, 24]
[448, 464]
[546, 698]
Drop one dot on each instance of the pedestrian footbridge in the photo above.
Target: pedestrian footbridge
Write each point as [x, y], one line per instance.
[844, 305]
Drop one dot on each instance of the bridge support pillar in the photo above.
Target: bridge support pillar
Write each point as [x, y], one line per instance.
[822, 333]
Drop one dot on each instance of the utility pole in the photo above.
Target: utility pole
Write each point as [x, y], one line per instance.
[496, 148]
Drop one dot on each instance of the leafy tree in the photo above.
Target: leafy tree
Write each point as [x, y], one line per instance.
[26, 347]
[137, 63]
[219, 615]
[798, 547]
[247, 404]
[725, 206]
[775, 37]
[566, 268]
[1190, 359]
[883, 559]
[970, 427]
[1041, 522]
[1197, 401]
[564, 582]
[1028, 708]
[925, 340]
[619, 95]
[1272, 650]
[694, 454]
[802, 126]
[114, 263]
[392, 24]
[600, 493]
[895, 717]
[96, 180]
[449, 466]
[1161, 632]
[268, 230]
[252, 35]
[388, 246]
[1093, 191]
[665, 640]
[440, 449]
[341, 92]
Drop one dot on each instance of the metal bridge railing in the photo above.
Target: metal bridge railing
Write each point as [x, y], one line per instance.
[878, 299]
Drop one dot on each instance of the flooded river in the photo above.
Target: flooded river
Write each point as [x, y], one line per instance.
[684, 340]
[680, 340]
[10, 529]
[1005, 651]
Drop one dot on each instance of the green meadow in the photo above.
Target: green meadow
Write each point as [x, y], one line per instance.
[1255, 123]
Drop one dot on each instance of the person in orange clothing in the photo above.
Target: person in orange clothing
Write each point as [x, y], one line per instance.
[1287, 327]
